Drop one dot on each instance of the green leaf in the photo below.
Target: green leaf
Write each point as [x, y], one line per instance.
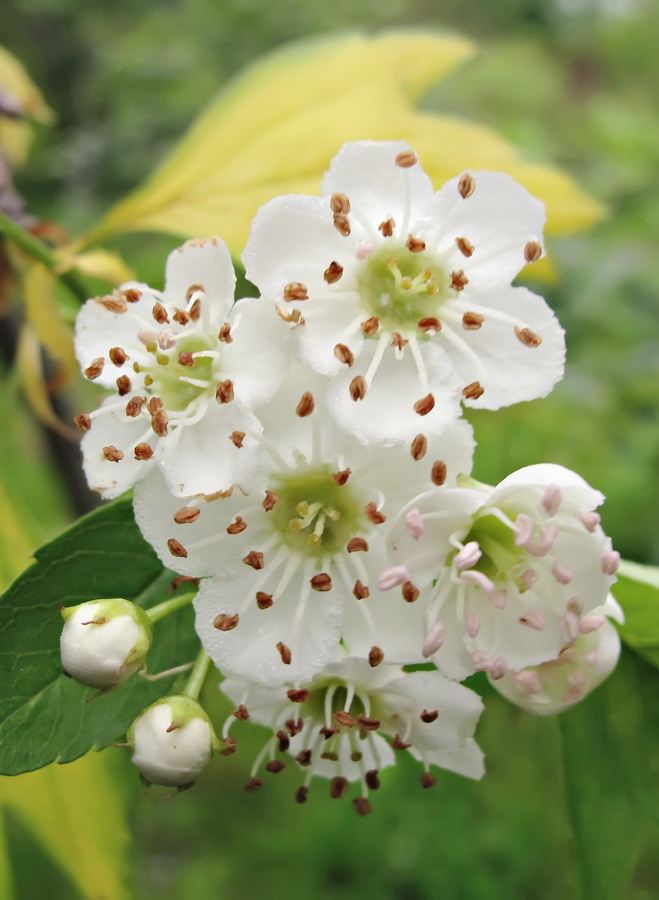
[637, 591]
[44, 716]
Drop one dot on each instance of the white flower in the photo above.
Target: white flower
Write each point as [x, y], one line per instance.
[508, 571]
[293, 566]
[555, 686]
[405, 294]
[334, 725]
[104, 642]
[188, 367]
[172, 742]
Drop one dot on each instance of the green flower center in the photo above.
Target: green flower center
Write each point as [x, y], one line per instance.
[401, 287]
[314, 515]
[497, 543]
[176, 384]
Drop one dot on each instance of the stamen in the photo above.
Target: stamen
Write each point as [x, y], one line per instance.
[590, 520]
[224, 391]
[306, 405]
[224, 334]
[424, 405]
[429, 325]
[468, 556]
[176, 548]
[374, 514]
[341, 477]
[472, 622]
[370, 326]
[342, 224]
[415, 245]
[610, 562]
[569, 627]
[115, 304]
[284, 652]
[82, 421]
[414, 523]
[333, 272]
[356, 544]
[113, 454]
[478, 579]
[159, 313]
[406, 159]
[529, 681]
[458, 280]
[143, 451]
[472, 321]
[398, 341]
[473, 391]
[321, 582]
[237, 527]
[358, 388]
[523, 529]
[123, 385]
[186, 515]
[95, 368]
[360, 591]
[254, 559]
[464, 246]
[591, 623]
[237, 438]
[532, 251]
[498, 668]
[498, 598]
[392, 577]
[339, 203]
[159, 422]
[387, 228]
[534, 620]
[410, 592]
[375, 657]
[438, 472]
[132, 295]
[527, 337]
[561, 573]
[225, 622]
[295, 291]
[428, 780]
[263, 600]
[118, 356]
[466, 185]
[552, 499]
[419, 446]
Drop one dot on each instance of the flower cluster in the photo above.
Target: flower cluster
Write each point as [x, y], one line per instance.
[303, 455]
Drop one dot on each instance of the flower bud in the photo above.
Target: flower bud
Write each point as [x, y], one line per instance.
[172, 741]
[104, 642]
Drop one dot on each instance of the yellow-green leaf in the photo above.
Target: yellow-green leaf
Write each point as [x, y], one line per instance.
[102, 264]
[78, 814]
[43, 314]
[33, 381]
[15, 134]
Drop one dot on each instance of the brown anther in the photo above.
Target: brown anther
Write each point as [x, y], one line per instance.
[241, 713]
[344, 354]
[297, 695]
[342, 224]
[301, 792]
[224, 334]
[410, 592]
[429, 716]
[134, 406]
[269, 501]
[372, 779]
[295, 291]
[306, 405]
[304, 757]
[186, 358]
[113, 454]
[225, 622]
[237, 438]
[428, 780]
[473, 391]
[466, 185]
[342, 476]
[398, 341]
[368, 724]
[254, 559]
[356, 544]
[159, 313]
[360, 591]
[362, 805]
[294, 726]
[285, 653]
[438, 472]
[176, 548]
[118, 355]
[183, 579]
[358, 387]
[458, 280]
[527, 337]
[532, 251]
[159, 422]
[472, 321]
[290, 315]
[113, 303]
[82, 421]
[132, 295]
[338, 787]
[237, 527]
[399, 744]
[321, 582]
[343, 718]
[123, 385]
[283, 740]
[229, 746]
[464, 246]
[374, 514]
[181, 316]
[143, 451]
[333, 272]
[253, 785]
[195, 310]
[224, 391]
[375, 657]
[415, 245]
[155, 404]
[263, 600]
[274, 766]
[95, 368]
[387, 227]
[370, 326]
[327, 732]
[419, 446]
[339, 203]
[430, 323]
[187, 514]
[406, 159]
[424, 405]
[193, 289]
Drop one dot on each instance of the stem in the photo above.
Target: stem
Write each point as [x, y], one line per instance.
[169, 606]
[40, 252]
[197, 676]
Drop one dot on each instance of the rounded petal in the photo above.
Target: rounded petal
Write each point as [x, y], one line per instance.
[530, 483]
[201, 265]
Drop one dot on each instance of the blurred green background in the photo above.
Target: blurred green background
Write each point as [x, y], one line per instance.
[573, 83]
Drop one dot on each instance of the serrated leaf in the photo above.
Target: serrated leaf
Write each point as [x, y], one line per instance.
[45, 716]
[637, 591]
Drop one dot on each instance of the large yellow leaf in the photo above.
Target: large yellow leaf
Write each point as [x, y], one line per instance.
[77, 813]
[43, 314]
[6, 881]
[15, 135]
[276, 127]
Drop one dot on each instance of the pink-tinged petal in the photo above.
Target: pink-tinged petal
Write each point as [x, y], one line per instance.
[201, 265]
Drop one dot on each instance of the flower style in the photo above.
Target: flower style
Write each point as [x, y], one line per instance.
[555, 686]
[334, 725]
[187, 366]
[293, 566]
[508, 571]
[404, 295]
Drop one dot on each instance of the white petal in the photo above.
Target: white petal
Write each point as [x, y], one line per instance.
[205, 265]
[530, 482]
[467, 760]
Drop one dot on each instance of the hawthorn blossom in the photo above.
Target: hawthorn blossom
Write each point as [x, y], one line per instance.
[403, 295]
[508, 572]
[187, 366]
[292, 567]
[334, 725]
[558, 684]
